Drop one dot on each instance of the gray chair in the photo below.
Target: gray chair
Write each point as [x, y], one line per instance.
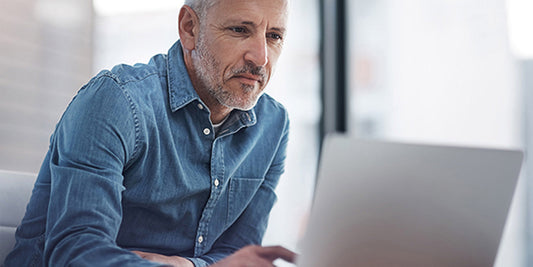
[15, 192]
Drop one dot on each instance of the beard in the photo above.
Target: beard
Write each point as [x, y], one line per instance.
[211, 78]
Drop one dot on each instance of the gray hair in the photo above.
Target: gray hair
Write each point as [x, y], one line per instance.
[200, 6]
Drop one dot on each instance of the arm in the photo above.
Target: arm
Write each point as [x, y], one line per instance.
[247, 256]
[94, 140]
[174, 261]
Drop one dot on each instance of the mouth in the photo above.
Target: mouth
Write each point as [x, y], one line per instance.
[248, 78]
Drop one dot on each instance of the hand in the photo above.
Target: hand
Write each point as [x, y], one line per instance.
[256, 256]
[171, 260]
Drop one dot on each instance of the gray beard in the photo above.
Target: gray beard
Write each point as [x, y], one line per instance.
[206, 67]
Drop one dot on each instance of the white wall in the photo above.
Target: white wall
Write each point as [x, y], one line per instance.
[45, 57]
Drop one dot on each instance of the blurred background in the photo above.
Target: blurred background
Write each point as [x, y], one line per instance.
[454, 72]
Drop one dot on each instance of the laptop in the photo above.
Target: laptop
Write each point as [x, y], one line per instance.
[396, 204]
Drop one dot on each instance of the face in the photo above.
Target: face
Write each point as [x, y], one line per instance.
[238, 44]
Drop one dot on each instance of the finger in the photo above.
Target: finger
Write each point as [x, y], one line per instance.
[260, 262]
[277, 252]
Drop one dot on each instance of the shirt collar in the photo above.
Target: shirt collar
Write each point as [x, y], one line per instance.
[180, 89]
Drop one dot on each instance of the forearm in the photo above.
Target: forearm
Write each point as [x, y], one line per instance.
[82, 231]
[212, 257]
[86, 249]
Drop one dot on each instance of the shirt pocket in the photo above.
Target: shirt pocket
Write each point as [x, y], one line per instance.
[241, 192]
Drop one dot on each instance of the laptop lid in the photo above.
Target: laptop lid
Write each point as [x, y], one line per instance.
[394, 204]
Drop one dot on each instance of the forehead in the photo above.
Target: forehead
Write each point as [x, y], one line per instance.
[273, 12]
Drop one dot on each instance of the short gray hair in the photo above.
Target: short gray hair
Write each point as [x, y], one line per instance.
[200, 6]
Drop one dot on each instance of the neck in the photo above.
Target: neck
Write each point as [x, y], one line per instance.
[218, 112]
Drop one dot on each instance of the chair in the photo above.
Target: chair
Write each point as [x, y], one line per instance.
[15, 192]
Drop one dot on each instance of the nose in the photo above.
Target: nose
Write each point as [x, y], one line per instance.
[257, 52]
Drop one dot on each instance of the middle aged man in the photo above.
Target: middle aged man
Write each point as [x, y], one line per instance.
[175, 160]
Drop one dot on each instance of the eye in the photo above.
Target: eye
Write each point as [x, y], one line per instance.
[238, 29]
[275, 36]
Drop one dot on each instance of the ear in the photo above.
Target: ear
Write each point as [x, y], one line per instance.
[188, 27]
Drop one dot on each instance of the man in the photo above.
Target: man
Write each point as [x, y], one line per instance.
[174, 161]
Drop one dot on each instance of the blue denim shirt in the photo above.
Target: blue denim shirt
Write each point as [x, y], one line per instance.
[134, 164]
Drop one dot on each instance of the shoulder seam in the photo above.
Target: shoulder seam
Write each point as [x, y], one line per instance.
[117, 80]
[135, 117]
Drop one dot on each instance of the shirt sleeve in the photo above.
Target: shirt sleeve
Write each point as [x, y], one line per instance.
[252, 223]
[94, 140]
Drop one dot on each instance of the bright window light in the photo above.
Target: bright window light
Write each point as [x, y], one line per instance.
[116, 7]
[520, 24]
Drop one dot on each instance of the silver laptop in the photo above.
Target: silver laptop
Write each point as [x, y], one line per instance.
[393, 204]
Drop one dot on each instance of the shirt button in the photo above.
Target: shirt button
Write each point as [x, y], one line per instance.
[216, 182]
[207, 131]
[200, 106]
[200, 239]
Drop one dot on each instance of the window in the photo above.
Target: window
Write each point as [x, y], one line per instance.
[46, 56]
[438, 72]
